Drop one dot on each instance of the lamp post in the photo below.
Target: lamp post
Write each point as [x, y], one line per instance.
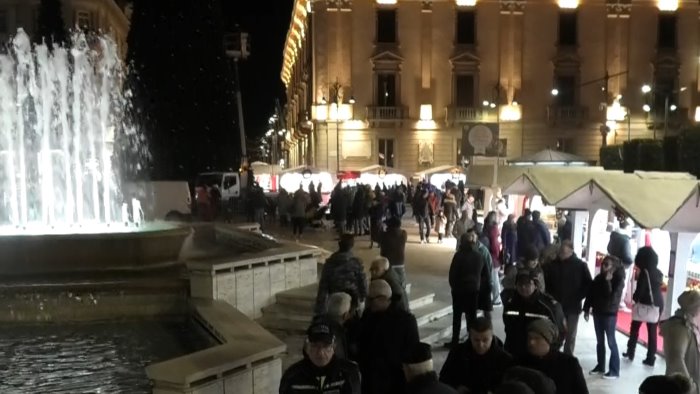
[646, 89]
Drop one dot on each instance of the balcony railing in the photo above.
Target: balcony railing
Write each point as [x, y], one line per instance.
[566, 115]
[676, 119]
[386, 113]
[455, 114]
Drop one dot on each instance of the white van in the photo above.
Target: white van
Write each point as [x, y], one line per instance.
[229, 183]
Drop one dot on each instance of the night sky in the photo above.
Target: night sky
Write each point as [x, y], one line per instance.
[266, 22]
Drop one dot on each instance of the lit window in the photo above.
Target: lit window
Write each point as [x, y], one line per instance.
[570, 4]
[668, 5]
[466, 3]
[386, 1]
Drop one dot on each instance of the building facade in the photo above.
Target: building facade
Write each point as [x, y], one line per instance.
[398, 82]
[107, 16]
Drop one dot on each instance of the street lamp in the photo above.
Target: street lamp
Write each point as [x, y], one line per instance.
[667, 106]
[555, 92]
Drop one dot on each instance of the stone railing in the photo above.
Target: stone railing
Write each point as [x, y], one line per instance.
[386, 113]
[247, 361]
[250, 281]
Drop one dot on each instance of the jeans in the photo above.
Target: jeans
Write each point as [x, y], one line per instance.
[400, 272]
[605, 328]
[423, 227]
[495, 286]
[463, 303]
[652, 332]
[572, 328]
[260, 217]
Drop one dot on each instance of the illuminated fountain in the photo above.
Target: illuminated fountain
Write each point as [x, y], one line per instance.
[60, 207]
[58, 112]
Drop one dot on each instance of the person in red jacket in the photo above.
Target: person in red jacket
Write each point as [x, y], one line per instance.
[491, 231]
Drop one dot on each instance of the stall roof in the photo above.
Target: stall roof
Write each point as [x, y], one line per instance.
[552, 157]
[687, 216]
[482, 175]
[301, 169]
[553, 184]
[441, 169]
[650, 202]
[377, 167]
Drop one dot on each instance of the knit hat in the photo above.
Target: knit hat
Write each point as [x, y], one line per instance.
[514, 387]
[538, 382]
[418, 353]
[544, 328]
[661, 384]
[689, 301]
[379, 288]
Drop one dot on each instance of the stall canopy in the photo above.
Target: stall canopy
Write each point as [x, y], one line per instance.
[687, 216]
[377, 174]
[439, 175]
[651, 202]
[291, 178]
[552, 158]
[482, 175]
[552, 183]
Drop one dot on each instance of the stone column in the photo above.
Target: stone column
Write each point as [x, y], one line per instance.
[678, 274]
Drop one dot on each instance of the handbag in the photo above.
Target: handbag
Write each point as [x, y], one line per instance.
[646, 313]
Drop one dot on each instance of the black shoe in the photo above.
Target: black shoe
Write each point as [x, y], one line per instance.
[597, 371]
[649, 361]
[628, 355]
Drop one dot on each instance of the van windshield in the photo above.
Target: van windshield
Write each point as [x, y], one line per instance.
[209, 179]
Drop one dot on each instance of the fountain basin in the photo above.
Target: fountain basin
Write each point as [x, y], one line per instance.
[45, 254]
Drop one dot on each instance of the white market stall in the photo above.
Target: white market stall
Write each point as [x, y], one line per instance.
[266, 175]
[438, 176]
[382, 176]
[291, 178]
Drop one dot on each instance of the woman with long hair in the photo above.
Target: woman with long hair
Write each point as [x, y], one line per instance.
[648, 292]
[491, 231]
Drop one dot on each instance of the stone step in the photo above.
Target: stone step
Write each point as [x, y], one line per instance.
[437, 330]
[431, 312]
[305, 297]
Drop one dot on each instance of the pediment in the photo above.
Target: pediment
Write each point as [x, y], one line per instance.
[386, 56]
[466, 58]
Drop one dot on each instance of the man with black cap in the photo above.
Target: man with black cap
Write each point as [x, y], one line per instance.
[320, 371]
[525, 305]
[342, 272]
[542, 355]
[420, 374]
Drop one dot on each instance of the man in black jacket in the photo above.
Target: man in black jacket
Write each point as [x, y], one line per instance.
[320, 371]
[386, 334]
[619, 246]
[478, 364]
[568, 279]
[524, 306]
[380, 269]
[468, 272]
[342, 272]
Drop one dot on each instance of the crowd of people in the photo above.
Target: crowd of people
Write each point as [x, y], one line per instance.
[364, 338]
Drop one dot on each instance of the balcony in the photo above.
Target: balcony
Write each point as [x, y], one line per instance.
[464, 114]
[375, 113]
[676, 119]
[566, 115]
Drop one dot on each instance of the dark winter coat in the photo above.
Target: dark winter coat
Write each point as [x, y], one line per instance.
[428, 384]
[341, 376]
[619, 246]
[563, 369]
[467, 271]
[568, 281]
[527, 233]
[641, 293]
[392, 245]
[509, 237]
[341, 272]
[543, 238]
[519, 312]
[339, 205]
[450, 208]
[384, 339]
[604, 295]
[480, 374]
[420, 204]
